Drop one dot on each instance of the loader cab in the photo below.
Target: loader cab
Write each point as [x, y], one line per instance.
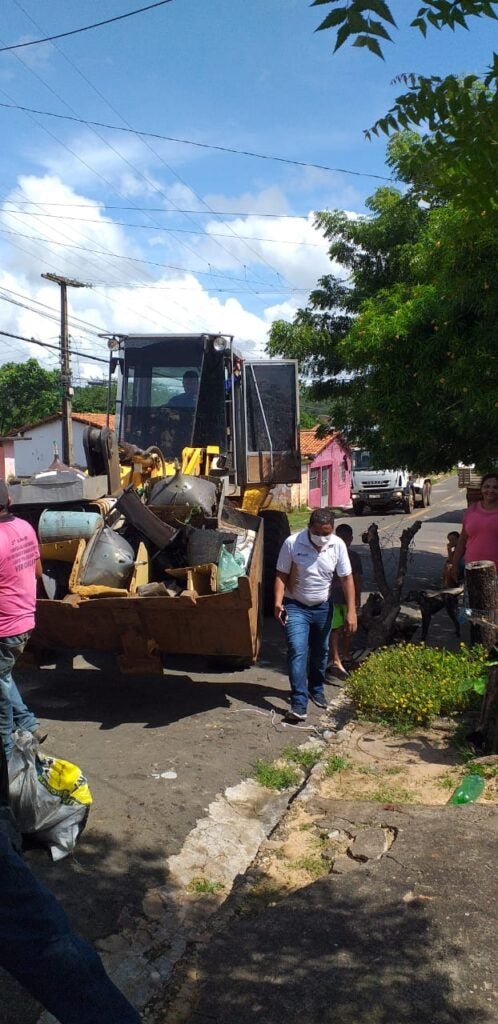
[178, 391]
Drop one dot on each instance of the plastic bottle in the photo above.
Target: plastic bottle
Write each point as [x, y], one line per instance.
[469, 790]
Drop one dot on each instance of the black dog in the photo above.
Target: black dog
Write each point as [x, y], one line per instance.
[433, 601]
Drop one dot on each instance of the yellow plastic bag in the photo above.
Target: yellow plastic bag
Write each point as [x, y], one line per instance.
[63, 779]
[49, 797]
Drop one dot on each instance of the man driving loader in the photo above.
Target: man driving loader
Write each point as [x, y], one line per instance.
[187, 399]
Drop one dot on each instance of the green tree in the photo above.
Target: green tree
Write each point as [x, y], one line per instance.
[406, 350]
[93, 398]
[458, 117]
[369, 21]
[27, 393]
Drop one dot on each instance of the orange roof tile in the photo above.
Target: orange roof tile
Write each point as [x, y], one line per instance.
[313, 445]
[92, 419]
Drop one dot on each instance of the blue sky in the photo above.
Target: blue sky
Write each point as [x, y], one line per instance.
[244, 74]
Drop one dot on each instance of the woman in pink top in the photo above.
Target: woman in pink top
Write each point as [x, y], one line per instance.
[479, 537]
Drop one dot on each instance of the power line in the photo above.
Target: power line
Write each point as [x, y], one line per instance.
[85, 28]
[102, 178]
[135, 169]
[199, 145]
[130, 259]
[160, 209]
[161, 227]
[82, 325]
[46, 344]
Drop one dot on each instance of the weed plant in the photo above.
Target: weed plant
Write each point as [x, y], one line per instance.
[205, 887]
[273, 776]
[336, 763]
[306, 758]
[409, 684]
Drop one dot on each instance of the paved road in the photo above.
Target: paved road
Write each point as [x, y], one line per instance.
[209, 729]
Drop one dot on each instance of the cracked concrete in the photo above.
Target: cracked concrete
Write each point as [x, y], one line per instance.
[141, 957]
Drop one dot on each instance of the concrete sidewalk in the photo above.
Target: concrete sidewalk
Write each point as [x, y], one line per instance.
[409, 938]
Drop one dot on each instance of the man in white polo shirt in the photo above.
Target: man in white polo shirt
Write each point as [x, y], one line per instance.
[305, 568]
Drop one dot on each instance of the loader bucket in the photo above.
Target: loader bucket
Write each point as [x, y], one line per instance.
[143, 629]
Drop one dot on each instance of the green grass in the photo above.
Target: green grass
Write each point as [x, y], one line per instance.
[305, 758]
[488, 771]
[390, 795]
[315, 866]
[337, 763]
[272, 776]
[205, 887]
[448, 781]
[299, 517]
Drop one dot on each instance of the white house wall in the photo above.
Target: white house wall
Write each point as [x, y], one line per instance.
[37, 454]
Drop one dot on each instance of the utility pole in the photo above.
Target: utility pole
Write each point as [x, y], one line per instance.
[65, 361]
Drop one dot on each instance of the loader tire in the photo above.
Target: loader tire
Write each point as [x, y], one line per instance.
[276, 530]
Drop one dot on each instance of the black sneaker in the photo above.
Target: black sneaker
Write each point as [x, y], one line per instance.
[296, 716]
[320, 702]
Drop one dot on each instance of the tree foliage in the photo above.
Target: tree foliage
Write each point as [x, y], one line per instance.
[93, 398]
[458, 116]
[368, 21]
[406, 348]
[27, 393]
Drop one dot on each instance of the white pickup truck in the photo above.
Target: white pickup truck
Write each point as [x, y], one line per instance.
[386, 488]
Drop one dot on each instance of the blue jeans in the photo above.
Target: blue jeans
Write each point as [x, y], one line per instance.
[307, 633]
[13, 712]
[38, 947]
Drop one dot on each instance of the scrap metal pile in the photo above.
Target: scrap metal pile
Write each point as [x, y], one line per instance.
[176, 536]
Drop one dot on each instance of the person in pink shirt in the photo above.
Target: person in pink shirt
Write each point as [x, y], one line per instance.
[19, 567]
[479, 537]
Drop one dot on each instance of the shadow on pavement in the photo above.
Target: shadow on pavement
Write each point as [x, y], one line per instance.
[89, 696]
[354, 953]
[453, 516]
[101, 888]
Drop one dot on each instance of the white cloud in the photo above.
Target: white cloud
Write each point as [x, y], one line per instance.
[258, 271]
[98, 159]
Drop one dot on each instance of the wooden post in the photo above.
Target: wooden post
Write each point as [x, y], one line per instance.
[480, 580]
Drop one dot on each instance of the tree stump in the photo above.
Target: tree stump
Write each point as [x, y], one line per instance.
[480, 580]
[380, 611]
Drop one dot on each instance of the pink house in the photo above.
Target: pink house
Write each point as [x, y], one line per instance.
[326, 463]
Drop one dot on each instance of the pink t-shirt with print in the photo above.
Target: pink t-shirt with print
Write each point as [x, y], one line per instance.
[481, 527]
[19, 552]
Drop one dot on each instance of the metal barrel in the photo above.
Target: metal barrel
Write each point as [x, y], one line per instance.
[62, 525]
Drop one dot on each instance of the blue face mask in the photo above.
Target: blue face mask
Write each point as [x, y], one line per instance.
[319, 540]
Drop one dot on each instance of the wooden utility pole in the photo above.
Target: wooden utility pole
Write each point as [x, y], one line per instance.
[65, 362]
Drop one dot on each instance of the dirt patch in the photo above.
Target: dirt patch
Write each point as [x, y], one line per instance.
[370, 763]
[421, 768]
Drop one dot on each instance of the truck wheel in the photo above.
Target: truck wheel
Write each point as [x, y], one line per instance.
[276, 530]
[426, 494]
[409, 504]
[358, 507]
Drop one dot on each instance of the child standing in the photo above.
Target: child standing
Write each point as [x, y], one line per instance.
[336, 669]
[452, 539]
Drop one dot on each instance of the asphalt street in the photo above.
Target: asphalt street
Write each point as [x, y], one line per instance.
[208, 729]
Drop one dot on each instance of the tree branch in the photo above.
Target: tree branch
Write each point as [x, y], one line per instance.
[406, 539]
[371, 537]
